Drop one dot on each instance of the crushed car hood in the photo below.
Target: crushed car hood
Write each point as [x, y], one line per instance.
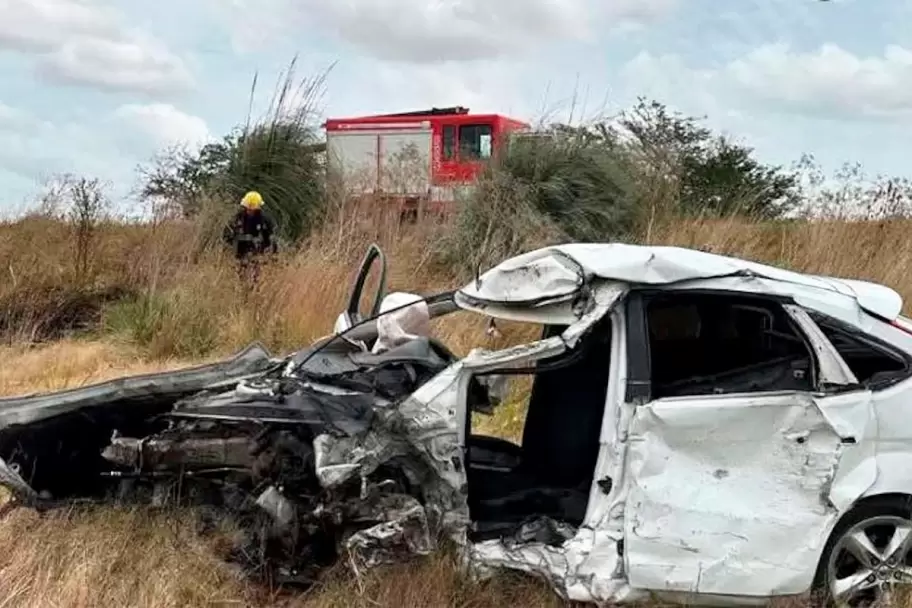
[339, 448]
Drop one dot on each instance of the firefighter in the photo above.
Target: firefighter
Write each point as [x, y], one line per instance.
[251, 233]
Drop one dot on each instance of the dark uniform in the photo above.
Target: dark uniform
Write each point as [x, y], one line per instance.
[251, 233]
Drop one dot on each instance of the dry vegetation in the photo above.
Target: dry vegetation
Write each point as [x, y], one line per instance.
[85, 298]
[181, 307]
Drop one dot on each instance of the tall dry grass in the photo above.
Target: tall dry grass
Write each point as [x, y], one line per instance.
[135, 558]
[876, 251]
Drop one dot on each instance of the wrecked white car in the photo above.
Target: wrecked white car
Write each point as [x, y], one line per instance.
[699, 428]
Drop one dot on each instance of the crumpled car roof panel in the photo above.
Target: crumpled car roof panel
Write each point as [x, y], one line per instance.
[558, 272]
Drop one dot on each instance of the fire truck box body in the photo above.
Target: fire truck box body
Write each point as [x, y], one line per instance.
[425, 155]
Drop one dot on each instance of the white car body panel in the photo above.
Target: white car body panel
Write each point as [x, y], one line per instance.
[727, 494]
[724, 498]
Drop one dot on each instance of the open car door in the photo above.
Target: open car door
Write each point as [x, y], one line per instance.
[352, 313]
[359, 326]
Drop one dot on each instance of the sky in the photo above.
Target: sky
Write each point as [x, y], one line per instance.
[96, 87]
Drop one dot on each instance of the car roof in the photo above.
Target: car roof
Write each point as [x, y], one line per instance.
[546, 276]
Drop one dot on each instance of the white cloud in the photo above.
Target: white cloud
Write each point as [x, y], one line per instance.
[829, 79]
[85, 42]
[637, 11]
[828, 82]
[423, 31]
[131, 65]
[666, 77]
[40, 25]
[164, 124]
[10, 117]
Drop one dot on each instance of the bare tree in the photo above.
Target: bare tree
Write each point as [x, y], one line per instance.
[87, 205]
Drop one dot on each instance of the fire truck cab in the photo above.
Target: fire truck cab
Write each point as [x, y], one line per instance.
[414, 158]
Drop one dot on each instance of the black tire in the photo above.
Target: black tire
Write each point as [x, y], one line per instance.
[879, 506]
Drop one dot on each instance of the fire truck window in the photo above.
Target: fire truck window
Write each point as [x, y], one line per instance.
[449, 142]
[474, 142]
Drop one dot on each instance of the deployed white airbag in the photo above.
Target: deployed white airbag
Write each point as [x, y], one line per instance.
[405, 324]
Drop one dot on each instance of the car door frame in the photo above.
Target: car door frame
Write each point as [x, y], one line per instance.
[838, 408]
[587, 567]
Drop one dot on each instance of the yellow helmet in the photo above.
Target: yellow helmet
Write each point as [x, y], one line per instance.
[252, 200]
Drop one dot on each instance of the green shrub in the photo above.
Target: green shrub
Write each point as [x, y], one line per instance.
[172, 324]
[556, 187]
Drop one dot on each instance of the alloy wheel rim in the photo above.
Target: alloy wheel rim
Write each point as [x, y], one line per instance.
[870, 559]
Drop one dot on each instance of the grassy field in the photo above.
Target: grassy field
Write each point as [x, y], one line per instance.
[173, 307]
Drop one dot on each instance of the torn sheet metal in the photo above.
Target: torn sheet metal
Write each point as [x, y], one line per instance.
[402, 534]
[280, 508]
[599, 304]
[530, 279]
[559, 313]
[603, 299]
[585, 568]
[729, 495]
[851, 415]
[421, 434]
[853, 418]
[541, 530]
[251, 361]
[482, 360]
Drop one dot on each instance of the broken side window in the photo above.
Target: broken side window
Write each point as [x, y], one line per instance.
[703, 344]
[874, 363]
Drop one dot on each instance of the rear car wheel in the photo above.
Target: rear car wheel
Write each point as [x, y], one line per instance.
[869, 554]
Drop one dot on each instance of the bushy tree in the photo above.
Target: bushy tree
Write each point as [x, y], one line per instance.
[279, 156]
[579, 184]
[557, 184]
[180, 178]
[713, 174]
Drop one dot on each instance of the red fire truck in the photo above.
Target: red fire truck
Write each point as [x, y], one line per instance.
[414, 159]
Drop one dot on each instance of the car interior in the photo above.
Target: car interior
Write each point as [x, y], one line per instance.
[698, 344]
[874, 363]
[550, 473]
[706, 343]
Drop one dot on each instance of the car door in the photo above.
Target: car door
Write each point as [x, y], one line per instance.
[353, 313]
[736, 493]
